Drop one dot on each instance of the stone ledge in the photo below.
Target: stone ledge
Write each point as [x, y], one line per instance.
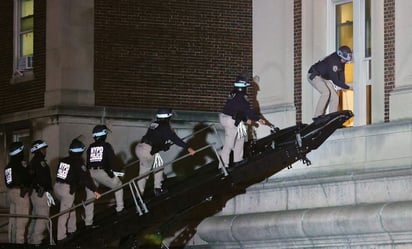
[333, 227]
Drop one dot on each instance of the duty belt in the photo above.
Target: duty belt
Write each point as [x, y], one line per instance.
[97, 167]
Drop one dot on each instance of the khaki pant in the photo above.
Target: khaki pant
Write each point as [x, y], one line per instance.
[38, 225]
[232, 141]
[328, 95]
[145, 162]
[66, 223]
[18, 205]
[100, 177]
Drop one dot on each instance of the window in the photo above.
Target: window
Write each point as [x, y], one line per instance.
[23, 38]
[352, 21]
[344, 36]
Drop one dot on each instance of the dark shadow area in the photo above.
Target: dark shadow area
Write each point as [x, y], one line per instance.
[186, 166]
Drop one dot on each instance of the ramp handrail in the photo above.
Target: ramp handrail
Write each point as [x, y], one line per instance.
[132, 184]
[84, 203]
[184, 138]
[49, 219]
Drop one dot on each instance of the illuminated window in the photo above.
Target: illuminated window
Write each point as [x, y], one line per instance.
[24, 23]
[345, 35]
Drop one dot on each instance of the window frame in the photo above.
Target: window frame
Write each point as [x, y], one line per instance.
[361, 68]
[22, 64]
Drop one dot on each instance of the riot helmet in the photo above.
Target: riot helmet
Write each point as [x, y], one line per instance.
[37, 145]
[241, 83]
[100, 131]
[76, 146]
[16, 148]
[345, 53]
[164, 113]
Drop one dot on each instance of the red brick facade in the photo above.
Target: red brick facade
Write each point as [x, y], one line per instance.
[27, 95]
[183, 54]
[389, 47]
[297, 57]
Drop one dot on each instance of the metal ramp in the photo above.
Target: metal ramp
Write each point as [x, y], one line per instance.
[202, 194]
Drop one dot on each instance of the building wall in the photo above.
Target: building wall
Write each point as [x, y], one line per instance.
[27, 95]
[181, 54]
[356, 194]
[117, 62]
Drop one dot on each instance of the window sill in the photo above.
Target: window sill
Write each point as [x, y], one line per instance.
[20, 77]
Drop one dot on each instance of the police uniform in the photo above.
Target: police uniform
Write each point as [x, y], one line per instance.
[71, 176]
[18, 183]
[322, 76]
[237, 109]
[101, 161]
[41, 185]
[155, 140]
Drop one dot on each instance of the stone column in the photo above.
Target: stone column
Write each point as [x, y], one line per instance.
[273, 59]
[69, 52]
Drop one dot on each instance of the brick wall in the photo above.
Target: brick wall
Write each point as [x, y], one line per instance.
[297, 57]
[179, 53]
[389, 51]
[26, 95]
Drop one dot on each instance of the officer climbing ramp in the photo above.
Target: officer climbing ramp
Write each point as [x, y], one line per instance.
[188, 201]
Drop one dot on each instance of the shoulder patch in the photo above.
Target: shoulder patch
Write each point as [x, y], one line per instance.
[153, 125]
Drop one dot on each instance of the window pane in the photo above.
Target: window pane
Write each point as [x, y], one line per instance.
[26, 8]
[26, 44]
[26, 24]
[344, 25]
[344, 36]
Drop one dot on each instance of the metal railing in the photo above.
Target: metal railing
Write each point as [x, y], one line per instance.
[132, 184]
[51, 241]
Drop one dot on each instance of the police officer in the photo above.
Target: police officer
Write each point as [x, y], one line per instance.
[42, 188]
[72, 175]
[324, 74]
[101, 161]
[156, 139]
[18, 182]
[236, 111]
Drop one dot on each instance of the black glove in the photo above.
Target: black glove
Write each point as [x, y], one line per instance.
[166, 146]
[240, 116]
[109, 173]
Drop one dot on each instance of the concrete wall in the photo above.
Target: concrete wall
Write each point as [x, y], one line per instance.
[356, 194]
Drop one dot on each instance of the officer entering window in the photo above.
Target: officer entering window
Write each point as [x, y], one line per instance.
[18, 182]
[324, 75]
[157, 138]
[102, 163]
